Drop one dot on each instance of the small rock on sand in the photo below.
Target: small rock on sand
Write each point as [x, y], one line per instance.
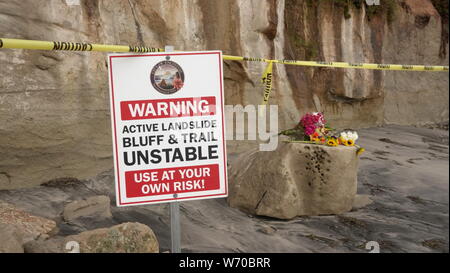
[95, 206]
[267, 230]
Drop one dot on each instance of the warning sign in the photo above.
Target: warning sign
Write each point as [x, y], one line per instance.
[167, 116]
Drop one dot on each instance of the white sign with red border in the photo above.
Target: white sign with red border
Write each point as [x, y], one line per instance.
[167, 116]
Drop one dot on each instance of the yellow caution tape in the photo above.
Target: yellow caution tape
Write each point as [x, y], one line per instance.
[70, 46]
[366, 65]
[345, 64]
[266, 78]
[267, 81]
[46, 45]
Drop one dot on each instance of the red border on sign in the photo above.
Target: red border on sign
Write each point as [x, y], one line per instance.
[115, 131]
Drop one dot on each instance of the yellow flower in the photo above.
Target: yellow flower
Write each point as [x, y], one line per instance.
[348, 138]
[342, 141]
[360, 151]
[349, 142]
[332, 142]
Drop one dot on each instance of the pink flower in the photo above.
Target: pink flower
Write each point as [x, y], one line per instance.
[312, 121]
[309, 130]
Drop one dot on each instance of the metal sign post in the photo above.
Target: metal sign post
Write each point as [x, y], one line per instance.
[175, 235]
[175, 227]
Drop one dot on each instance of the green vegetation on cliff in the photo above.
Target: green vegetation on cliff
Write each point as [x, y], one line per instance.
[442, 7]
[387, 7]
[307, 48]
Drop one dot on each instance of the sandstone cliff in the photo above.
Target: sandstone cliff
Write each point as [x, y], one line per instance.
[54, 109]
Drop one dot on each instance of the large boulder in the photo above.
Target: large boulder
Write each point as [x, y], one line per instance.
[123, 238]
[29, 226]
[296, 179]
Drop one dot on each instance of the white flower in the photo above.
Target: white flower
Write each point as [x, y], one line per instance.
[351, 136]
[344, 135]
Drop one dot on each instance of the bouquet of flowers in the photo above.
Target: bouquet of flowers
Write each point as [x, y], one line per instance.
[312, 128]
[313, 125]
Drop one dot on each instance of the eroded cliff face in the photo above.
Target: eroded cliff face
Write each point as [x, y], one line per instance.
[403, 32]
[54, 106]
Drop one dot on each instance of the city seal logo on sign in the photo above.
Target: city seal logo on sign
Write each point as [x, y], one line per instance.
[167, 77]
